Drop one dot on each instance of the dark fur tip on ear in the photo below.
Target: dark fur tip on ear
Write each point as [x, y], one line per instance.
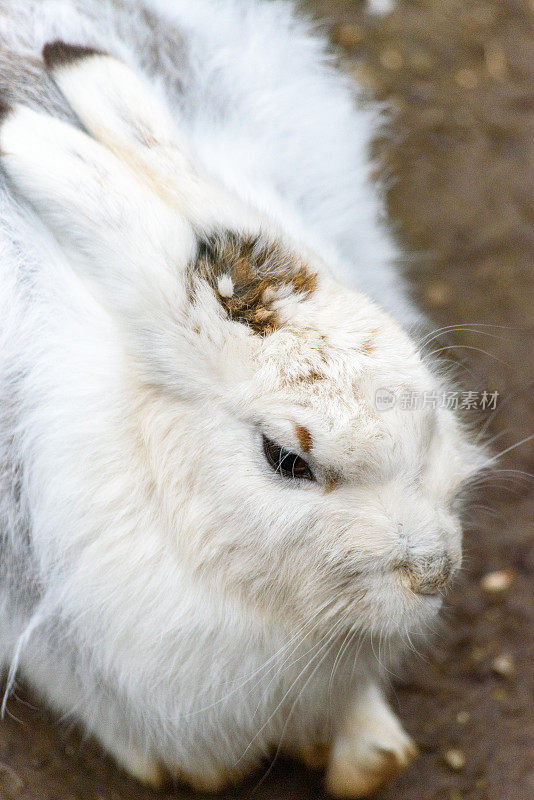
[58, 53]
[5, 109]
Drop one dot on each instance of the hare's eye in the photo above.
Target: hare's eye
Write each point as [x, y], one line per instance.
[289, 465]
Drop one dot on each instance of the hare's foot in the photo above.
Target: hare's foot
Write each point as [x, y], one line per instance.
[314, 756]
[154, 773]
[209, 781]
[144, 767]
[371, 748]
[199, 774]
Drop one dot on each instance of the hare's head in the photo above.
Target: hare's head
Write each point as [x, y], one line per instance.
[281, 480]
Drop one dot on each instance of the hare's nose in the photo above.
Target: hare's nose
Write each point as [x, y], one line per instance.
[428, 575]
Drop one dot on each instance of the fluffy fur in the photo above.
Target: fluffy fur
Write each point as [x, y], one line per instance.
[158, 580]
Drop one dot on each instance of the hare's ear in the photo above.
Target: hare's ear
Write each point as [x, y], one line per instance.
[115, 233]
[112, 100]
[120, 109]
[127, 114]
[109, 224]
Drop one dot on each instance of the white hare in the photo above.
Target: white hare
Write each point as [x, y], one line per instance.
[205, 520]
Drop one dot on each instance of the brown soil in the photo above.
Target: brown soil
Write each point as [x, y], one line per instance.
[459, 166]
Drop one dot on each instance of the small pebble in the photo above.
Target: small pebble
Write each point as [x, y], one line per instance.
[503, 665]
[497, 581]
[455, 759]
[391, 59]
[348, 35]
[466, 78]
[11, 784]
[495, 59]
[421, 62]
[463, 717]
[438, 293]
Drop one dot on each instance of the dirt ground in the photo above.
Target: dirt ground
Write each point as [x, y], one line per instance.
[458, 164]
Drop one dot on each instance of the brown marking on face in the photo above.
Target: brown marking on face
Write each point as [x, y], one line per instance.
[311, 377]
[368, 347]
[316, 376]
[331, 483]
[304, 437]
[261, 273]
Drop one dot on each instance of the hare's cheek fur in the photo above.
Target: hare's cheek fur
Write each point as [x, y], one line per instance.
[162, 310]
[375, 558]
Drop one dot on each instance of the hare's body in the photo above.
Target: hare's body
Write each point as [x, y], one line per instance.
[138, 591]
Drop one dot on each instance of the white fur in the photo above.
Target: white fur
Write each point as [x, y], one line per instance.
[225, 286]
[371, 743]
[159, 581]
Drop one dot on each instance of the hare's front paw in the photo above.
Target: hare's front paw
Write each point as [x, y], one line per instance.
[148, 770]
[144, 767]
[371, 748]
[209, 781]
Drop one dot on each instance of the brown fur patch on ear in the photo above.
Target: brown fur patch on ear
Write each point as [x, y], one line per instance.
[304, 437]
[254, 274]
[58, 53]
